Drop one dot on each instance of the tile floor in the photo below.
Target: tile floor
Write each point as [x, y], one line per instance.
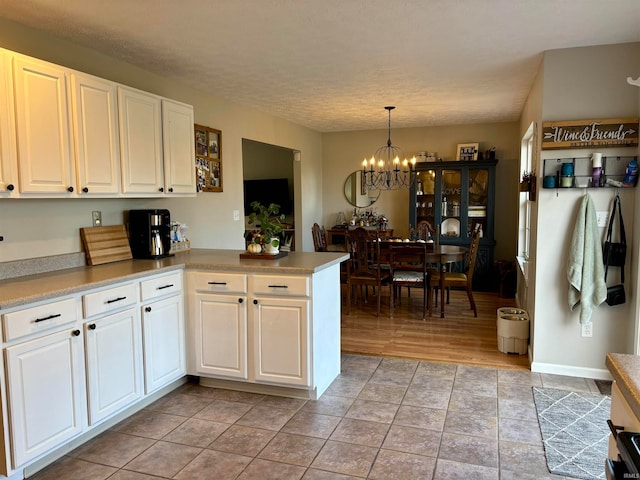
[380, 419]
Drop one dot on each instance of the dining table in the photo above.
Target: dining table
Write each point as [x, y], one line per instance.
[437, 254]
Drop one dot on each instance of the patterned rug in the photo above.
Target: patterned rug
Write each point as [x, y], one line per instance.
[574, 431]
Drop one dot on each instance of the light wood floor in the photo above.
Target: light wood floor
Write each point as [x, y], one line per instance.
[458, 338]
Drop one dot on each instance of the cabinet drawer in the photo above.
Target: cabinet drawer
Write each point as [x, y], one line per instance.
[38, 319]
[110, 299]
[160, 286]
[280, 285]
[220, 282]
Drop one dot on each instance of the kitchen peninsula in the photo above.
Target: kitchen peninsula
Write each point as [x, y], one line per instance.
[92, 345]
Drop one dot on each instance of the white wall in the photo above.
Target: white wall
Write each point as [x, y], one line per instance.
[34, 228]
[581, 83]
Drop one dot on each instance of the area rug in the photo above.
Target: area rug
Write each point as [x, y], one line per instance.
[574, 431]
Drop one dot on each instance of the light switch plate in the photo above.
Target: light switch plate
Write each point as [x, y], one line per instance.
[236, 215]
[587, 329]
[603, 218]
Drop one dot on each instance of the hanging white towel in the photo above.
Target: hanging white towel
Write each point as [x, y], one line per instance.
[585, 268]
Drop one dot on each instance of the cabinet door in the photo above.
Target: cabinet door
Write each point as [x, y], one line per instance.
[140, 129]
[281, 340]
[42, 124]
[163, 342]
[179, 151]
[95, 126]
[8, 158]
[451, 204]
[221, 335]
[45, 380]
[114, 368]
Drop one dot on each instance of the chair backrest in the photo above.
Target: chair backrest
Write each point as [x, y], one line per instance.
[408, 257]
[319, 238]
[364, 252]
[473, 251]
[423, 230]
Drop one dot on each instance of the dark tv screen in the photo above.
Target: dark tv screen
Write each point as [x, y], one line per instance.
[266, 191]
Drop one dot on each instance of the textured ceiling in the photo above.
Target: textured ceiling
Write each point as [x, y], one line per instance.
[332, 65]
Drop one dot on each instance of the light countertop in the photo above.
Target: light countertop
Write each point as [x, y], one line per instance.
[20, 291]
[625, 370]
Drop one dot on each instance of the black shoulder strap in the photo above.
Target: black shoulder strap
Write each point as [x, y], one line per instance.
[623, 237]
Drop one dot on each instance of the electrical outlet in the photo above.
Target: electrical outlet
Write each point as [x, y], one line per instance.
[96, 216]
[603, 218]
[236, 215]
[587, 329]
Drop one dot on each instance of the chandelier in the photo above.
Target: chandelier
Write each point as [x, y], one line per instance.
[385, 170]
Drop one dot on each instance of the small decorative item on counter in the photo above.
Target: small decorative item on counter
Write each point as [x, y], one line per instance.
[254, 248]
[268, 226]
[179, 241]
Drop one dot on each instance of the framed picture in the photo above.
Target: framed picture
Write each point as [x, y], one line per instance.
[208, 159]
[467, 151]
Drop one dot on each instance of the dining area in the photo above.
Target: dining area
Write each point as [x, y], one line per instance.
[379, 262]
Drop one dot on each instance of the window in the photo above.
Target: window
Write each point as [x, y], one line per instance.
[524, 217]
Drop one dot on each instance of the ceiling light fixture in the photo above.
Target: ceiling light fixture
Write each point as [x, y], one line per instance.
[385, 170]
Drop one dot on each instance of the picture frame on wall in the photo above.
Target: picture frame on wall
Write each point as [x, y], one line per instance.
[208, 159]
[467, 151]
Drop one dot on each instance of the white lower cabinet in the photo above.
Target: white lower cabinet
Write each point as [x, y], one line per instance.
[46, 393]
[281, 340]
[251, 327]
[113, 362]
[164, 343]
[221, 335]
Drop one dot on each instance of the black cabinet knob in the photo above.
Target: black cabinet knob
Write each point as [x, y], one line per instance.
[240, 300]
[147, 309]
[69, 189]
[85, 190]
[92, 326]
[171, 189]
[161, 189]
[255, 302]
[75, 333]
[10, 187]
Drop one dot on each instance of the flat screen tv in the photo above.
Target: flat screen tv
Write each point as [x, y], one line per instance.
[266, 191]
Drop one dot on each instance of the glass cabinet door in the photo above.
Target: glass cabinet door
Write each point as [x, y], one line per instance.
[425, 197]
[451, 203]
[478, 198]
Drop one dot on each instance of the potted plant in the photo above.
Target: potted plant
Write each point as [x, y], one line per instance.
[268, 226]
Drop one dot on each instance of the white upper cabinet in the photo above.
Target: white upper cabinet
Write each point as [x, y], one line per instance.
[95, 124]
[179, 151]
[140, 117]
[65, 133]
[42, 123]
[8, 158]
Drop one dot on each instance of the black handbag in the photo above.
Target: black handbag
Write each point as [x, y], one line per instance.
[614, 254]
[615, 295]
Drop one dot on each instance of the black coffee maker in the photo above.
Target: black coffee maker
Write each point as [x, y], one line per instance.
[150, 233]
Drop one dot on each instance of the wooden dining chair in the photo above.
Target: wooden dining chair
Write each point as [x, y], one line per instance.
[423, 231]
[408, 268]
[363, 267]
[319, 238]
[461, 280]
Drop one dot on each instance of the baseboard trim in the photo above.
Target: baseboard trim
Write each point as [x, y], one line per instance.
[571, 371]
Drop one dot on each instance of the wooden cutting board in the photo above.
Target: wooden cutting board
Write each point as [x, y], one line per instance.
[105, 244]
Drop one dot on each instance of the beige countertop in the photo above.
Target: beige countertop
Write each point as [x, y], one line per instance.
[625, 370]
[20, 291]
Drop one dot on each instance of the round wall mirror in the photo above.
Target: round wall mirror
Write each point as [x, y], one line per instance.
[356, 193]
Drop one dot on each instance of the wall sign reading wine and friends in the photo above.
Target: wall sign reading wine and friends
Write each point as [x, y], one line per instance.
[613, 132]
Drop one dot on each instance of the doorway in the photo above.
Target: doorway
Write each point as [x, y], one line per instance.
[269, 176]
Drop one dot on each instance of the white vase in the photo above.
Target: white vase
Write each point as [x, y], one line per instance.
[271, 249]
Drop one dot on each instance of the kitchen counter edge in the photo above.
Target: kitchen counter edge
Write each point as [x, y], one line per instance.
[19, 291]
[625, 370]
